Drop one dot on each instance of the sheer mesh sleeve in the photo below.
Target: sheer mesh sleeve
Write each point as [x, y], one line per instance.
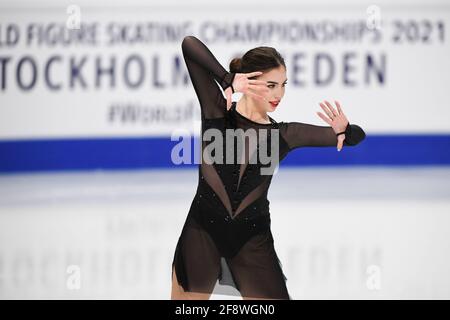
[204, 69]
[298, 134]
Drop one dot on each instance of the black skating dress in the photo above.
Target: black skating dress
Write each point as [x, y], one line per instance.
[227, 235]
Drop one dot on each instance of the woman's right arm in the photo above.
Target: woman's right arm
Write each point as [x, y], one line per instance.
[204, 70]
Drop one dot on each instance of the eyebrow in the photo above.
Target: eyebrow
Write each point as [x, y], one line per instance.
[276, 82]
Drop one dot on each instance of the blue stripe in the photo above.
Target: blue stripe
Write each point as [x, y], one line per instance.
[136, 153]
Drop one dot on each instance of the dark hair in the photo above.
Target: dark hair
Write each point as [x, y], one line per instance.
[257, 59]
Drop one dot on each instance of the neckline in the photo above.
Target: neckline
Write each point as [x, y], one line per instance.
[272, 121]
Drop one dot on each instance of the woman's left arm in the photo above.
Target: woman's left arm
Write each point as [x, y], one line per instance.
[340, 132]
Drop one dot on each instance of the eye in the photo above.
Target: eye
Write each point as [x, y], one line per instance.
[271, 86]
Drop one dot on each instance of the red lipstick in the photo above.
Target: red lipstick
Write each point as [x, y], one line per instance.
[274, 103]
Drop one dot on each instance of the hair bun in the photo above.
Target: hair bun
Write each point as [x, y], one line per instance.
[235, 65]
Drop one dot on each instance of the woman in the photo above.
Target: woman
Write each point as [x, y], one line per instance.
[227, 233]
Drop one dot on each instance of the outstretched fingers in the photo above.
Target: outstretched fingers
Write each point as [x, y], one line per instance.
[330, 107]
[327, 111]
[259, 88]
[253, 74]
[257, 82]
[250, 91]
[335, 118]
[338, 105]
[324, 117]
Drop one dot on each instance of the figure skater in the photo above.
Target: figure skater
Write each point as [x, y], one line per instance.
[226, 235]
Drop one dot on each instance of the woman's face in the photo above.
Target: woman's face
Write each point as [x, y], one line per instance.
[276, 82]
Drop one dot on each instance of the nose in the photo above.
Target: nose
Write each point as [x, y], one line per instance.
[279, 94]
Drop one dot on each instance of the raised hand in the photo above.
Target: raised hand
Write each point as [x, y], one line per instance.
[336, 119]
[241, 83]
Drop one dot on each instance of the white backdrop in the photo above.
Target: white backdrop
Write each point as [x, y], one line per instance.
[387, 64]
